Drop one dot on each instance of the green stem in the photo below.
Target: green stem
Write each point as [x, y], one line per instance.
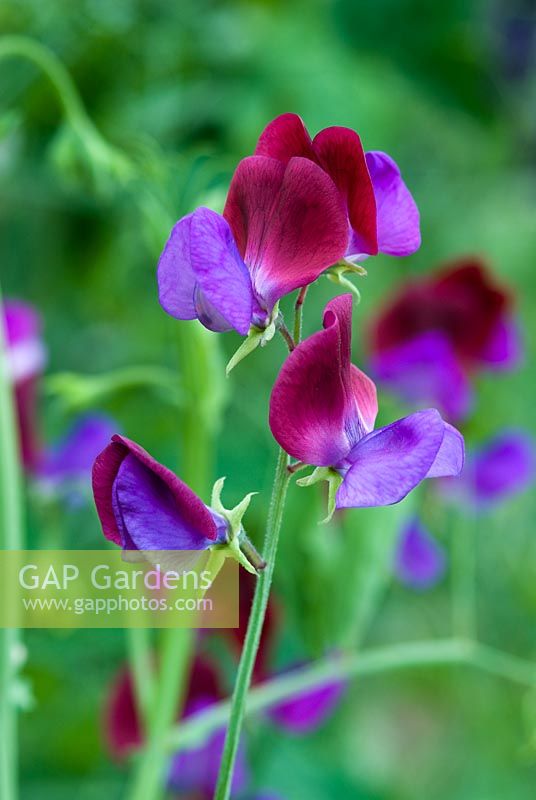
[439, 652]
[11, 538]
[253, 635]
[464, 619]
[149, 776]
[142, 670]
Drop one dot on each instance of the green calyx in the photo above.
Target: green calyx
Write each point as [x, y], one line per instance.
[238, 546]
[333, 479]
[337, 274]
[256, 336]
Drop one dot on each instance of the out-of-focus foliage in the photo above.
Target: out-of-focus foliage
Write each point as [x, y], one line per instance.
[183, 90]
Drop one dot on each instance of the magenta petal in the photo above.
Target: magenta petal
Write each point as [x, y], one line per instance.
[340, 153]
[72, 458]
[419, 560]
[105, 471]
[201, 274]
[398, 216]
[284, 137]
[26, 352]
[388, 463]
[289, 223]
[312, 400]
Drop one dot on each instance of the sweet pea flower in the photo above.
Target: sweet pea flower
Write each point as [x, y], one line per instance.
[26, 359]
[282, 226]
[382, 215]
[437, 331]
[419, 559]
[500, 469]
[142, 505]
[322, 412]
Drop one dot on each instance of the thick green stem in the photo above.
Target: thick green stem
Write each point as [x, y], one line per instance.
[149, 777]
[11, 538]
[142, 670]
[411, 655]
[255, 624]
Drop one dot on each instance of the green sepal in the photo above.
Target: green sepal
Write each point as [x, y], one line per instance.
[236, 536]
[256, 336]
[337, 274]
[334, 480]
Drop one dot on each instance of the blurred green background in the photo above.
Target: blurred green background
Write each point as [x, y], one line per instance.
[184, 89]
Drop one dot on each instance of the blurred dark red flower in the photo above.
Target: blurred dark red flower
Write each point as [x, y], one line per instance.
[462, 301]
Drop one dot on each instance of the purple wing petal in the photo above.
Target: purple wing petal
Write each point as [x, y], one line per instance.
[419, 560]
[201, 274]
[311, 400]
[505, 346]
[309, 709]
[73, 457]
[503, 467]
[450, 457]
[195, 514]
[289, 223]
[176, 278]
[148, 515]
[426, 370]
[398, 216]
[388, 463]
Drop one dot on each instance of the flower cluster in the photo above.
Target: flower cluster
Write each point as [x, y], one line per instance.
[294, 209]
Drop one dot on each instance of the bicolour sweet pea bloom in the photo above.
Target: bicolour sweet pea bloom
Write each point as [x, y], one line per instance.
[382, 214]
[428, 340]
[142, 505]
[419, 559]
[500, 469]
[191, 770]
[26, 356]
[282, 226]
[323, 410]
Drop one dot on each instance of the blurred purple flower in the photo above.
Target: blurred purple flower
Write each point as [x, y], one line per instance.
[426, 369]
[500, 469]
[437, 331]
[308, 709]
[142, 505]
[26, 356]
[382, 215]
[71, 459]
[196, 769]
[419, 560]
[322, 412]
[282, 226]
